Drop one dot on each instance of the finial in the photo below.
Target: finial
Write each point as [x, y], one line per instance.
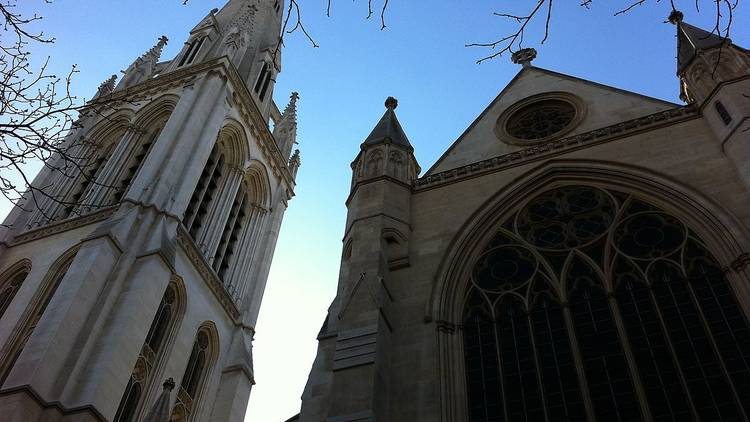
[107, 86]
[391, 103]
[675, 17]
[295, 158]
[168, 384]
[523, 56]
[294, 96]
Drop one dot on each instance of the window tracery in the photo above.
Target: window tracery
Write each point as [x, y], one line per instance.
[194, 377]
[598, 278]
[540, 119]
[9, 287]
[151, 352]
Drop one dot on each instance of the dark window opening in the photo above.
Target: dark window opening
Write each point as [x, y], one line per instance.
[723, 113]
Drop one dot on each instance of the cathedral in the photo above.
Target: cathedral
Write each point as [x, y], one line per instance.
[130, 283]
[579, 253]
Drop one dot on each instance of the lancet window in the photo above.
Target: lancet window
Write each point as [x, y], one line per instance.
[194, 377]
[33, 318]
[232, 232]
[9, 288]
[151, 352]
[86, 180]
[192, 51]
[134, 163]
[586, 296]
[264, 80]
[204, 192]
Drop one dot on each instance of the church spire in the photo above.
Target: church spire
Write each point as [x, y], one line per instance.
[286, 131]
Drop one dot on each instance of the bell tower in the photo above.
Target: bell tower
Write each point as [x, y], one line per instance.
[148, 261]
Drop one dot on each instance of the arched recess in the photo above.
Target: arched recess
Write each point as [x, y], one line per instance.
[233, 142]
[721, 233]
[10, 282]
[34, 312]
[198, 371]
[77, 179]
[146, 128]
[143, 384]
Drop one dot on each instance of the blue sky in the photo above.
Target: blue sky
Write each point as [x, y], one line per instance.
[419, 58]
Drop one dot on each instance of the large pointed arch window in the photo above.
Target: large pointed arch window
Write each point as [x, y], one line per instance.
[134, 162]
[593, 302]
[152, 351]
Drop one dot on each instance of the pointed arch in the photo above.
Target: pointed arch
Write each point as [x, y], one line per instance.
[143, 381]
[233, 142]
[10, 282]
[198, 370]
[719, 232]
[155, 110]
[34, 312]
[258, 183]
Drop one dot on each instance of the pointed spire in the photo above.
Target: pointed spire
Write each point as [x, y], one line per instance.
[160, 411]
[106, 87]
[285, 131]
[155, 52]
[691, 39]
[294, 163]
[388, 129]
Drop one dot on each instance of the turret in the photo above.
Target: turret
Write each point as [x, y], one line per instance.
[356, 337]
[714, 76]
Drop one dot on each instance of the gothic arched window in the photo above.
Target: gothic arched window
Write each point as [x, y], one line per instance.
[134, 162]
[193, 47]
[34, 315]
[586, 296]
[231, 233]
[151, 352]
[194, 377]
[9, 287]
[204, 192]
[86, 180]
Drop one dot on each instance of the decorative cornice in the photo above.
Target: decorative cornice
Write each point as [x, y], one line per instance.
[207, 273]
[558, 146]
[62, 226]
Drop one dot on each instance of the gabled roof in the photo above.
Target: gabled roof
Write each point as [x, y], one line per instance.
[388, 129]
[691, 39]
[651, 104]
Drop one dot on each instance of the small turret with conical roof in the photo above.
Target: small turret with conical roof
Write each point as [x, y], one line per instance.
[386, 151]
[705, 60]
[715, 76]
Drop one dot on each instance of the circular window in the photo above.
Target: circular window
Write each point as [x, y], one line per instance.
[540, 118]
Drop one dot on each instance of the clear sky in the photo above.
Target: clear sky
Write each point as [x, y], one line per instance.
[420, 59]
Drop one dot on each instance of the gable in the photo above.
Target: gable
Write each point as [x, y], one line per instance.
[601, 106]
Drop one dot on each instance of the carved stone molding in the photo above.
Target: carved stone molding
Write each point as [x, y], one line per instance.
[557, 146]
[62, 226]
[207, 273]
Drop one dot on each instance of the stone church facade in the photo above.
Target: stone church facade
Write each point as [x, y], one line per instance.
[151, 262]
[580, 253]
